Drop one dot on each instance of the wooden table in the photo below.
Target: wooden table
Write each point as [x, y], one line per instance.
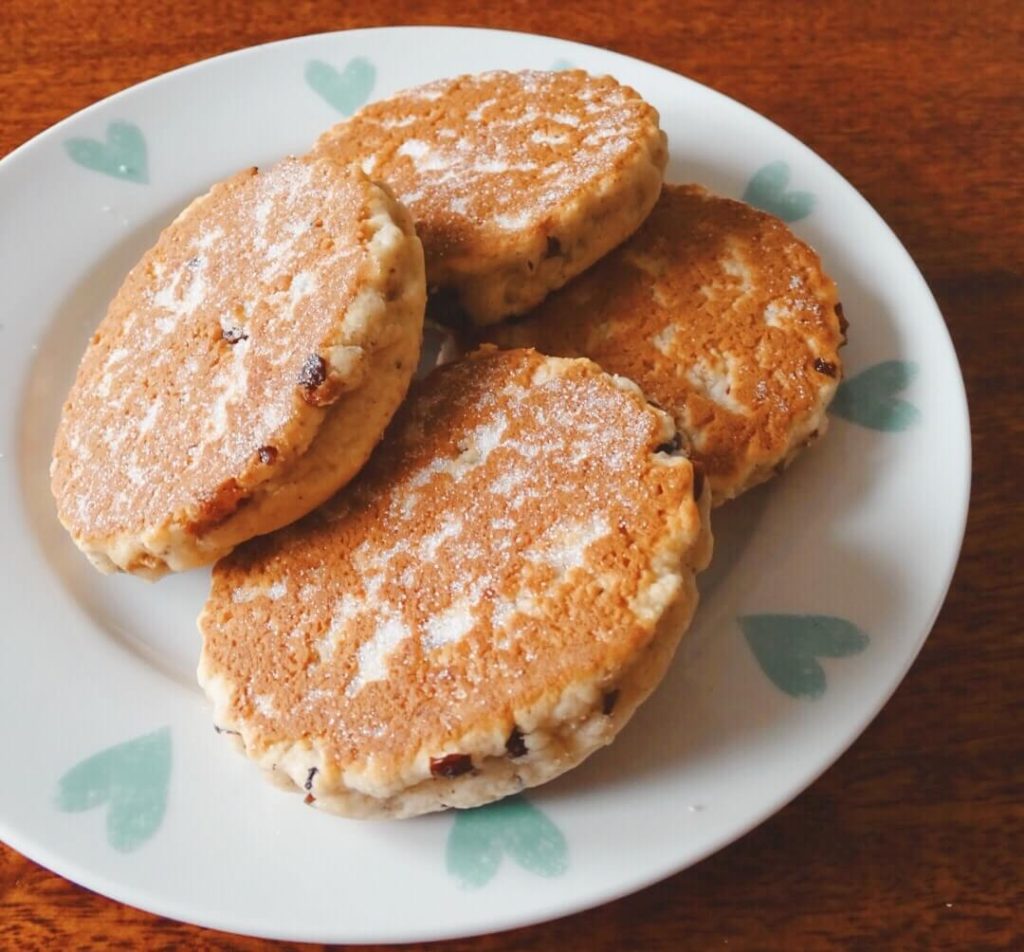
[914, 839]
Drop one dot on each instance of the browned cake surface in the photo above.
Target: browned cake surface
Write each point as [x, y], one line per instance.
[482, 160]
[516, 538]
[722, 316]
[211, 372]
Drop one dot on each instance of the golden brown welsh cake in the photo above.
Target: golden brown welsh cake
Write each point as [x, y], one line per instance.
[516, 181]
[245, 369]
[481, 609]
[722, 316]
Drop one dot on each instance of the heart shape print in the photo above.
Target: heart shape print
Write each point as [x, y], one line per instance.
[869, 398]
[132, 779]
[480, 837]
[788, 647]
[345, 91]
[768, 191]
[122, 155]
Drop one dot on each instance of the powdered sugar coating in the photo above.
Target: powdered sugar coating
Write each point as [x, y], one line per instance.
[481, 568]
[190, 391]
[480, 159]
[722, 316]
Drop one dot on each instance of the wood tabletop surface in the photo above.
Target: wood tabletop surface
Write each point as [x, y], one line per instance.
[915, 838]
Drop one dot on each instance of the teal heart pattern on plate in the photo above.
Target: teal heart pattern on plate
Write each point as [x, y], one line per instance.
[559, 64]
[769, 191]
[131, 779]
[346, 90]
[870, 400]
[788, 648]
[480, 838]
[122, 154]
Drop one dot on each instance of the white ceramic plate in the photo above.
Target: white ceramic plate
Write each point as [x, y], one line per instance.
[824, 586]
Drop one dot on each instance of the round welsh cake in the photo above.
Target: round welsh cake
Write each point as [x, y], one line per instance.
[245, 369]
[723, 317]
[482, 608]
[516, 181]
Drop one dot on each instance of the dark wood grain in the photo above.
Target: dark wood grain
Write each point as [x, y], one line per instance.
[915, 839]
